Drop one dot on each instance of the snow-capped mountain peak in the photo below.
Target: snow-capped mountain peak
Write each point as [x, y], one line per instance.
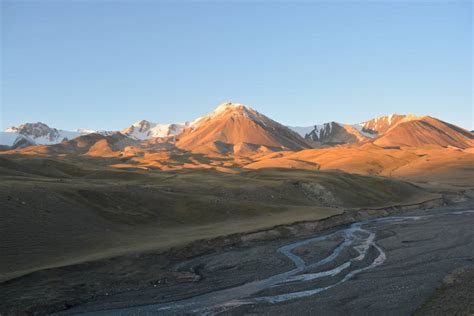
[37, 133]
[142, 125]
[230, 106]
[144, 129]
[322, 131]
[233, 109]
[382, 124]
[332, 133]
[35, 130]
[234, 126]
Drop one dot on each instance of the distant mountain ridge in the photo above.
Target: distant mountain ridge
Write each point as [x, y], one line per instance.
[234, 128]
[30, 134]
[41, 133]
[334, 133]
[93, 144]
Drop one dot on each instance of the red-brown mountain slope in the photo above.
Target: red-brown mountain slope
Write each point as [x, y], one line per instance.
[235, 128]
[426, 131]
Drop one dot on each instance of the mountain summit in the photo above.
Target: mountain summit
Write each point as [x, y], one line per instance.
[236, 128]
[42, 133]
[426, 130]
[333, 133]
[382, 124]
[29, 134]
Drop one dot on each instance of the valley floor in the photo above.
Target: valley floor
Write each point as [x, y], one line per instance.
[80, 236]
[419, 254]
[420, 248]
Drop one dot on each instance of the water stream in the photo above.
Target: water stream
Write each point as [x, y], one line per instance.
[358, 237]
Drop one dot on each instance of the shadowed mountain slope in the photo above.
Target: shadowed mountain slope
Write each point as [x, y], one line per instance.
[91, 144]
[334, 134]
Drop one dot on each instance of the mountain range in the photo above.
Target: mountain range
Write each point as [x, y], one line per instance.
[230, 171]
[236, 129]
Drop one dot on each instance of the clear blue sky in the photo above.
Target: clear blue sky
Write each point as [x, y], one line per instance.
[106, 64]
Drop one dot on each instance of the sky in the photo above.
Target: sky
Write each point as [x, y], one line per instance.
[106, 64]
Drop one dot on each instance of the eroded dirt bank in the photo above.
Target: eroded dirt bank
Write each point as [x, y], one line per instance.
[455, 296]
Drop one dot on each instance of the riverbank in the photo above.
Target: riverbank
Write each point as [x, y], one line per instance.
[420, 247]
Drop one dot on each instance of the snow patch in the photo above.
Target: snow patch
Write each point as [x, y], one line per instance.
[234, 108]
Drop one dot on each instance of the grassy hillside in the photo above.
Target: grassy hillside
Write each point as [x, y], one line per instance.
[61, 211]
